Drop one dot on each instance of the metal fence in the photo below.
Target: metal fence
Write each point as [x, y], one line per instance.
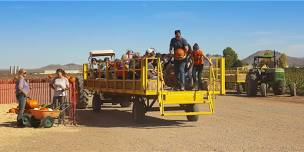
[40, 90]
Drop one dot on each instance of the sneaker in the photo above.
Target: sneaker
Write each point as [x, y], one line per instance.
[182, 89]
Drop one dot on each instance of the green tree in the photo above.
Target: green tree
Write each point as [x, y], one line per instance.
[230, 57]
[283, 61]
[238, 63]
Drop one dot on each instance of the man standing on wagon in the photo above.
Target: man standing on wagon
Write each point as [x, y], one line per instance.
[179, 48]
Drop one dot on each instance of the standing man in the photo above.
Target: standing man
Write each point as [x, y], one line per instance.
[179, 47]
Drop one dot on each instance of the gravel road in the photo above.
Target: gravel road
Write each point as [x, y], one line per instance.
[239, 124]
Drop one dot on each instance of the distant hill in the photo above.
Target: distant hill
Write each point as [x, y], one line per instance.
[70, 66]
[292, 61]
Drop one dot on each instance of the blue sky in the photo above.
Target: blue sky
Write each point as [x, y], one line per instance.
[34, 34]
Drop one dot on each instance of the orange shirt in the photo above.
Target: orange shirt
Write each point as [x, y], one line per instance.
[198, 57]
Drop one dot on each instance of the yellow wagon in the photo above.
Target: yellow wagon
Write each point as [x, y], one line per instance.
[237, 77]
[135, 85]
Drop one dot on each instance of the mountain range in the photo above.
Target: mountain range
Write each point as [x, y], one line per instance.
[292, 61]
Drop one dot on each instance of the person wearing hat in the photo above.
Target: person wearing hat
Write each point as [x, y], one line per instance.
[198, 60]
[179, 48]
[60, 84]
[94, 68]
[22, 91]
[150, 53]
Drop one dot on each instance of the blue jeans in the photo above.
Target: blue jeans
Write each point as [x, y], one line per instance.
[197, 75]
[179, 70]
[60, 102]
[21, 98]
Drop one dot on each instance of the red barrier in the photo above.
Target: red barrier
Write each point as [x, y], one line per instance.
[41, 91]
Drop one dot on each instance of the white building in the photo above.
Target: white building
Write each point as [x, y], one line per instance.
[67, 71]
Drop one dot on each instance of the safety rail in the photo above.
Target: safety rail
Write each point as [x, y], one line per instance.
[134, 79]
[236, 75]
[182, 98]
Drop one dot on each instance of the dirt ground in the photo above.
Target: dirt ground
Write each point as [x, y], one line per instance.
[239, 124]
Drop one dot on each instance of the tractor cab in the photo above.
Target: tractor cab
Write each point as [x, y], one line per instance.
[97, 62]
[263, 61]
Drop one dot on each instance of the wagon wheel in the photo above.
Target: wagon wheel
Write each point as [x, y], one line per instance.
[35, 122]
[47, 122]
[26, 120]
[138, 110]
[192, 108]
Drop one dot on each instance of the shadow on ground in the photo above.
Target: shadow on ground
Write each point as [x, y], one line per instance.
[122, 118]
[10, 124]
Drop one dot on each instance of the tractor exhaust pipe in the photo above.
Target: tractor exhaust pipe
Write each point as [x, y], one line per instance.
[275, 59]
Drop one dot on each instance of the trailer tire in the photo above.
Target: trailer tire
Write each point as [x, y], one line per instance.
[96, 103]
[125, 104]
[192, 108]
[138, 111]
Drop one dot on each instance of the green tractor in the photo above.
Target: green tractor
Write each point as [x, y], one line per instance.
[265, 75]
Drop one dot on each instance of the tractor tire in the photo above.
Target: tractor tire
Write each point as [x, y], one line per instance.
[35, 122]
[293, 89]
[192, 108]
[47, 122]
[251, 85]
[125, 104]
[84, 95]
[279, 88]
[138, 111]
[263, 88]
[96, 103]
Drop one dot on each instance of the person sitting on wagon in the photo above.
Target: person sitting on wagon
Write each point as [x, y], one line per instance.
[135, 65]
[129, 54]
[198, 58]
[103, 67]
[60, 84]
[150, 53]
[94, 68]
